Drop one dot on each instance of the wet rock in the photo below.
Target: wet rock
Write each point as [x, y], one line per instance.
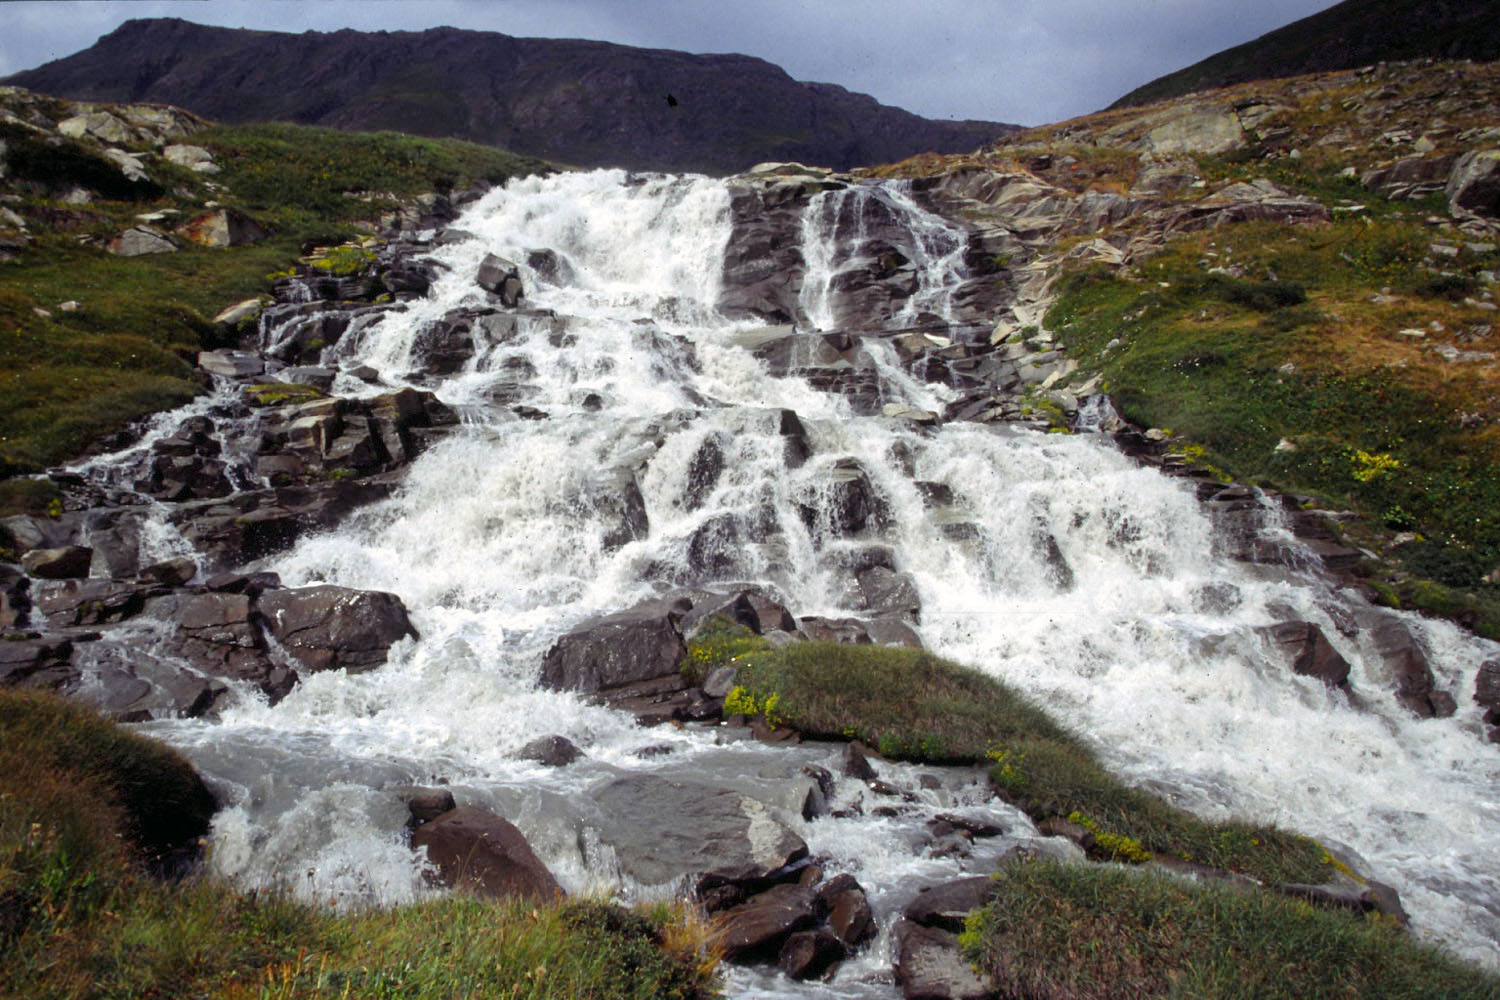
[217, 635]
[68, 562]
[500, 277]
[331, 628]
[551, 751]
[946, 906]
[794, 436]
[810, 954]
[930, 966]
[485, 854]
[855, 764]
[36, 662]
[424, 805]
[663, 829]
[886, 592]
[1487, 691]
[1307, 651]
[757, 927]
[76, 602]
[634, 645]
[704, 470]
[1406, 659]
[617, 496]
[713, 550]
[254, 524]
[15, 598]
[850, 917]
[550, 266]
[843, 502]
[170, 572]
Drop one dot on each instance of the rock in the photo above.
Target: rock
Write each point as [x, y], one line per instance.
[195, 158]
[810, 954]
[330, 628]
[36, 662]
[848, 908]
[231, 364]
[75, 602]
[1474, 186]
[1404, 656]
[634, 645]
[1487, 690]
[217, 635]
[480, 852]
[551, 751]
[664, 829]
[222, 228]
[170, 572]
[68, 562]
[888, 593]
[235, 314]
[930, 966]
[99, 125]
[139, 241]
[844, 503]
[502, 278]
[425, 804]
[1307, 651]
[15, 601]
[854, 763]
[704, 469]
[945, 906]
[756, 928]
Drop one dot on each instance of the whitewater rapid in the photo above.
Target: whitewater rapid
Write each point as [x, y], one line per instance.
[496, 544]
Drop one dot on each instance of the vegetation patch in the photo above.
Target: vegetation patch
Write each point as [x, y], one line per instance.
[1083, 932]
[81, 801]
[911, 705]
[1332, 365]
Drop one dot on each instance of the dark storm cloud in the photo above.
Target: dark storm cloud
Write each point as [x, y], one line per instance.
[1026, 61]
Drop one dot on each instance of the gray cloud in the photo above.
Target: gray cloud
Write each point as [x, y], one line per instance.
[1028, 61]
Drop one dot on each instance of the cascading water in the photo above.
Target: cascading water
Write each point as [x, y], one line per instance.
[1056, 564]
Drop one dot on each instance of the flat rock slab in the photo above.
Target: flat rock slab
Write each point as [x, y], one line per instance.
[758, 927]
[945, 906]
[662, 830]
[929, 965]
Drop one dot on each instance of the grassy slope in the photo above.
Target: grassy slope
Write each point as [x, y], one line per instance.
[68, 377]
[1062, 932]
[79, 798]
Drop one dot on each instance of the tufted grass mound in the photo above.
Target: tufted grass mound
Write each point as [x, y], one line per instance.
[1086, 932]
[84, 805]
[911, 705]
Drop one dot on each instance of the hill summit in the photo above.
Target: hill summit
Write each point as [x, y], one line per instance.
[583, 103]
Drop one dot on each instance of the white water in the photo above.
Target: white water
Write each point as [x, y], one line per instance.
[495, 545]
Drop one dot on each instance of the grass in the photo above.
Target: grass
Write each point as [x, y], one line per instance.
[69, 377]
[83, 805]
[911, 705]
[1298, 351]
[1074, 932]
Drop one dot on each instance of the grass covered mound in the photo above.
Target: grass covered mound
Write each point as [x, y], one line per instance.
[90, 341]
[81, 804]
[911, 705]
[1071, 932]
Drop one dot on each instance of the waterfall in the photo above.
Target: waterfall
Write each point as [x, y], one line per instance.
[1052, 562]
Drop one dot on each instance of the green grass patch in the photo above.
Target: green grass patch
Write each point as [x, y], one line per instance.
[1074, 932]
[911, 705]
[82, 803]
[1298, 350]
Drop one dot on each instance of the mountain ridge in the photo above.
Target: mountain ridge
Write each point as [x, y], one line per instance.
[1344, 36]
[581, 102]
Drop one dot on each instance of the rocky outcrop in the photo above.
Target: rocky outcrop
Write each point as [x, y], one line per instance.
[335, 628]
[640, 644]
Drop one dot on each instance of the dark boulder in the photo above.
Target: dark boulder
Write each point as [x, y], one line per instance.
[634, 645]
[36, 662]
[500, 277]
[480, 852]
[929, 965]
[551, 751]
[67, 603]
[423, 805]
[65, 563]
[757, 927]
[810, 954]
[330, 628]
[947, 905]
[1487, 694]
[848, 908]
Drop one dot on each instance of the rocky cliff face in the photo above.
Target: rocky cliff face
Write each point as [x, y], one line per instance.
[577, 102]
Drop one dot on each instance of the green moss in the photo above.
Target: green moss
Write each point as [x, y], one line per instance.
[278, 393]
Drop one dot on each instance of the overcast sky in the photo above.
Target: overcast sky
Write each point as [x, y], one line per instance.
[1024, 61]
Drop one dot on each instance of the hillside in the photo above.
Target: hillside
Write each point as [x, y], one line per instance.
[1350, 34]
[582, 103]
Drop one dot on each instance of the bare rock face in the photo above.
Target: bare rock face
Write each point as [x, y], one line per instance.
[480, 852]
[1308, 652]
[1404, 656]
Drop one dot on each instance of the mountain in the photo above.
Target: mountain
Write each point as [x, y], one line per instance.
[1346, 35]
[578, 102]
